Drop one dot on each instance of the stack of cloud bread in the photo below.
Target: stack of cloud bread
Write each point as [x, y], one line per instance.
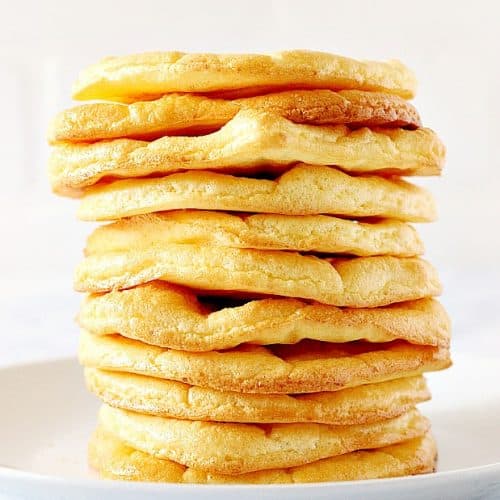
[258, 311]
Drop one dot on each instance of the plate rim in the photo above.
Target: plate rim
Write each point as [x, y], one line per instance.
[15, 475]
[478, 472]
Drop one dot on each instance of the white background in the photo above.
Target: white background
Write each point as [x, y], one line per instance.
[452, 46]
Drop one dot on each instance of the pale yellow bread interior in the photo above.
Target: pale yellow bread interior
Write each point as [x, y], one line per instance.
[153, 74]
[166, 315]
[188, 114]
[252, 140]
[308, 366]
[168, 398]
[314, 233]
[302, 190]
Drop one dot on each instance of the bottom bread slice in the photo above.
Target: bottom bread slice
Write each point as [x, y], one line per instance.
[227, 448]
[114, 459]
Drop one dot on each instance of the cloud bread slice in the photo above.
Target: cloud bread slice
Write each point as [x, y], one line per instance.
[356, 282]
[113, 459]
[317, 233]
[302, 190]
[228, 448]
[153, 74]
[181, 114]
[166, 315]
[168, 398]
[308, 366]
[252, 140]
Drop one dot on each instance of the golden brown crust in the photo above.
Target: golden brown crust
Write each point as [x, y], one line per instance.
[249, 141]
[168, 398]
[228, 448]
[316, 233]
[170, 316]
[308, 366]
[135, 77]
[180, 114]
[113, 459]
[356, 282]
[302, 190]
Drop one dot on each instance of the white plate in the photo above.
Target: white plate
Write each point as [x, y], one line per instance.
[46, 417]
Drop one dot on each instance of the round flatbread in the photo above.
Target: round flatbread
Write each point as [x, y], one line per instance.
[302, 190]
[166, 315]
[113, 459]
[305, 367]
[356, 282]
[168, 398]
[153, 74]
[251, 141]
[315, 233]
[188, 114]
[226, 448]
